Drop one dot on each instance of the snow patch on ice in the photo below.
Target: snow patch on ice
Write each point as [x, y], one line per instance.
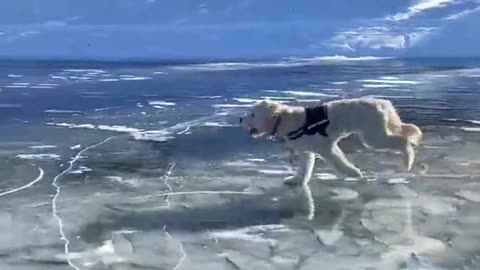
[161, 103]
[39, 156]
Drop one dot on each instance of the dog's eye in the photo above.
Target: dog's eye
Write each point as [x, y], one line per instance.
[252, 115]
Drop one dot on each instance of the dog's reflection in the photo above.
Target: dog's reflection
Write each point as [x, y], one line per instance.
[305, 193]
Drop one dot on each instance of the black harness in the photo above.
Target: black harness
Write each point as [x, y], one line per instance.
[316, 123]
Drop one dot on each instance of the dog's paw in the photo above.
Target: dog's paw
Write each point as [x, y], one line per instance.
[293, 180]
[369, 175]
[409, 158]
[354, 173]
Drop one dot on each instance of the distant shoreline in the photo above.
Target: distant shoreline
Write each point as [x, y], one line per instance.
[194, 60]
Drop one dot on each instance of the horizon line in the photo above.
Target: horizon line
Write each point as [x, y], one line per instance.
[196, 59]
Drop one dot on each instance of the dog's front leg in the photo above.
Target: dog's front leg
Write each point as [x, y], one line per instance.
[304, 171]
[335, 156]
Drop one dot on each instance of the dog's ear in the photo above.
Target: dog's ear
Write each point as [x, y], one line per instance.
[275, 112]
[264, 104]
[270, 104]
[272, 122]
[275, 108]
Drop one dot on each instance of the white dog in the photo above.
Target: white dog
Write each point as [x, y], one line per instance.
[310, 131]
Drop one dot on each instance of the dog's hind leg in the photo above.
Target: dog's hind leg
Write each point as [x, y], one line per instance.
[292, 157]
[412, 132]
[304, 172]
[335, 156]
[380, 139]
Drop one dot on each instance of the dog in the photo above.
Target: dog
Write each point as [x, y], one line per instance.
[316, 131]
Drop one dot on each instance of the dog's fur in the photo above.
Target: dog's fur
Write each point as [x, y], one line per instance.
[374, 120]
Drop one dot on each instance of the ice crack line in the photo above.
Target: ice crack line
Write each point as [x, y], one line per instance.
[165, 180]
[170, 192]
[55, 184]
[310, 202]
[196, 192]
[184, 254]
[36, 180]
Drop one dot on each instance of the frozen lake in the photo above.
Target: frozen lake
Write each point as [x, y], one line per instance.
[142, 166]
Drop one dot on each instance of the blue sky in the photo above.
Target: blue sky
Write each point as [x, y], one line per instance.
[238, 28]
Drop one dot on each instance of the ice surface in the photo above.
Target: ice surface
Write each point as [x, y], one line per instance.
[7, 106]
[285, 63]
[124, 185]
[390, 81]
[216, 124]
[43, 146]
[135, 78]
[161, 103]
[231, 105]
[116, 128]
[371, 85]
[62, 111]
[38, 156]
[303, 93]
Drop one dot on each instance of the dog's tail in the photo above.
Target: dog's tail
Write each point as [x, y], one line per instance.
[412, 132]
[396, 126]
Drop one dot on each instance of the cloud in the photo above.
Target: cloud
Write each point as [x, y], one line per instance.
[369, 37]
[29, 33]
[368, 40]
[54, 24]
[419, 35]
[203, 8]
[344, 47]
[462, 14]
[60, 23]
[14, 36]
[12, 33]
[419, 7]
[377, 38]
[393, 32]
[23, 31]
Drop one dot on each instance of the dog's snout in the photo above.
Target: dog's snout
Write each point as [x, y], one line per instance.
[241, 120]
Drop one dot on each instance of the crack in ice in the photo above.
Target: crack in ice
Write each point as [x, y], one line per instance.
[168, 194]
[222, 254]
[196, 193]
[55, 184]
[183, 131]
[310, 202]
[184, 254]
[36, 180]
[165, 180]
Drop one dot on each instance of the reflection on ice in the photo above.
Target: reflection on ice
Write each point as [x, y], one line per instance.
[188, 190]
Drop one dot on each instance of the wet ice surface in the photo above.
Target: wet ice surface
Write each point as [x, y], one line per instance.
[144, 168]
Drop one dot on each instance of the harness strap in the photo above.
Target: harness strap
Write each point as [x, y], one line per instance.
[275, 127]
[316, 122]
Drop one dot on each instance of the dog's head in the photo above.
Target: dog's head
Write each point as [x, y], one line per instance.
[261, 119]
